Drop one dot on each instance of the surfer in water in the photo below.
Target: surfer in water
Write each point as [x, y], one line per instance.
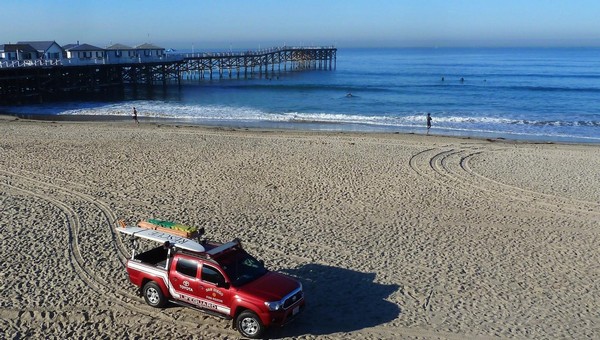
[349, 95]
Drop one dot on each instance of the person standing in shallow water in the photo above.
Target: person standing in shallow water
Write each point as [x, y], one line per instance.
[428, 122]
[135, 115]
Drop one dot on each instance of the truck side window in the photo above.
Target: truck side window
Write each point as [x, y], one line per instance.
[187, 267]
[211, 275]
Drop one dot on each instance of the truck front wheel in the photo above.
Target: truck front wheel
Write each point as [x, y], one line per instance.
[249, 325]
[153, 295]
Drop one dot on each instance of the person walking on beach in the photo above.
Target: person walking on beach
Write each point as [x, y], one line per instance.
[135, 115]
[428, 122]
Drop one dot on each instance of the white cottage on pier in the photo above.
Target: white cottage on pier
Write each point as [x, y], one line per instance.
[49, 50]
[18, 52]
[119, 53]
[84, 54]
[149, 51]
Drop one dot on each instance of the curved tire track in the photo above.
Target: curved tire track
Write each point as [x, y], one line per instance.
[450, 167]
[566, 205]
[94, 280]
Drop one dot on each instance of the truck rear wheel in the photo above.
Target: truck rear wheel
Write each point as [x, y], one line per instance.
[153, 295]
[249, 325]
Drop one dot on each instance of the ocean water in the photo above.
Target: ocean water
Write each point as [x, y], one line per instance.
[524, 94]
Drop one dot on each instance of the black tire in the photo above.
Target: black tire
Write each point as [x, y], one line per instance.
[249, 325]
[153, 295]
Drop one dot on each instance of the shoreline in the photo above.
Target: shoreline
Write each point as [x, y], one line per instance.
[303, 126]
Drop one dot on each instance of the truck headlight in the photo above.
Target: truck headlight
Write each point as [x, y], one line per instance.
[273, 306]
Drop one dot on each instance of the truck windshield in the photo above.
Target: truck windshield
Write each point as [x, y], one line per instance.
[242, 268]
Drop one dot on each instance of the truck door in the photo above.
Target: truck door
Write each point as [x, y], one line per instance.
[215, 289]
[184, 279]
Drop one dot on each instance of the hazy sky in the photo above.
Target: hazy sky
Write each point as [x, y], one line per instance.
[221, 24]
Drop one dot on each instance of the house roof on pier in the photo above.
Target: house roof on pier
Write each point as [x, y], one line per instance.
[82, 47]
[40, 46]
[148, 46]
[17, 47]
[119, 47]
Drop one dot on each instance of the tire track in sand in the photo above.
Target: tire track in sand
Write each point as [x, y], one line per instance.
[59, 197]
[451, 167]
[570, 206]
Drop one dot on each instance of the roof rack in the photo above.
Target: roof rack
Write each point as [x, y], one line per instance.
[224, 247]
[159, 236]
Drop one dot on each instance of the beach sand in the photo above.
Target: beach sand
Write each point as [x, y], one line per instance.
[393, 236]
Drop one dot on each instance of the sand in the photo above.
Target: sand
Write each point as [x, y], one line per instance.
[393, 236]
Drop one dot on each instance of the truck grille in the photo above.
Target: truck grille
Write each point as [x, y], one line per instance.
[293, 299]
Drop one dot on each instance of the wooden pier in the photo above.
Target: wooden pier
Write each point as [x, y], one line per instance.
[40, 83]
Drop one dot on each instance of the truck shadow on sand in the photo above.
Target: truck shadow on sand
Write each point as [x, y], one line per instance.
[339, 300]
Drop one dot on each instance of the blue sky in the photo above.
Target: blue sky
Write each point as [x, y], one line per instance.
[221, 24]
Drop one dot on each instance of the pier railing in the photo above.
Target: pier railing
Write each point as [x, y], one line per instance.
[248, 52]
[167, 57]
[30, 63]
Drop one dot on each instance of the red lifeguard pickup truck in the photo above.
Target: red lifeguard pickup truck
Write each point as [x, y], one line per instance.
[219, 279]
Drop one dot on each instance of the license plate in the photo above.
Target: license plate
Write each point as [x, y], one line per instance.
[295, 310]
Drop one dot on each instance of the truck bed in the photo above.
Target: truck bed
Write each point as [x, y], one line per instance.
[156, 257]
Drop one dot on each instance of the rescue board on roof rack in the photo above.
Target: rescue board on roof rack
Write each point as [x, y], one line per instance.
[159, 236]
